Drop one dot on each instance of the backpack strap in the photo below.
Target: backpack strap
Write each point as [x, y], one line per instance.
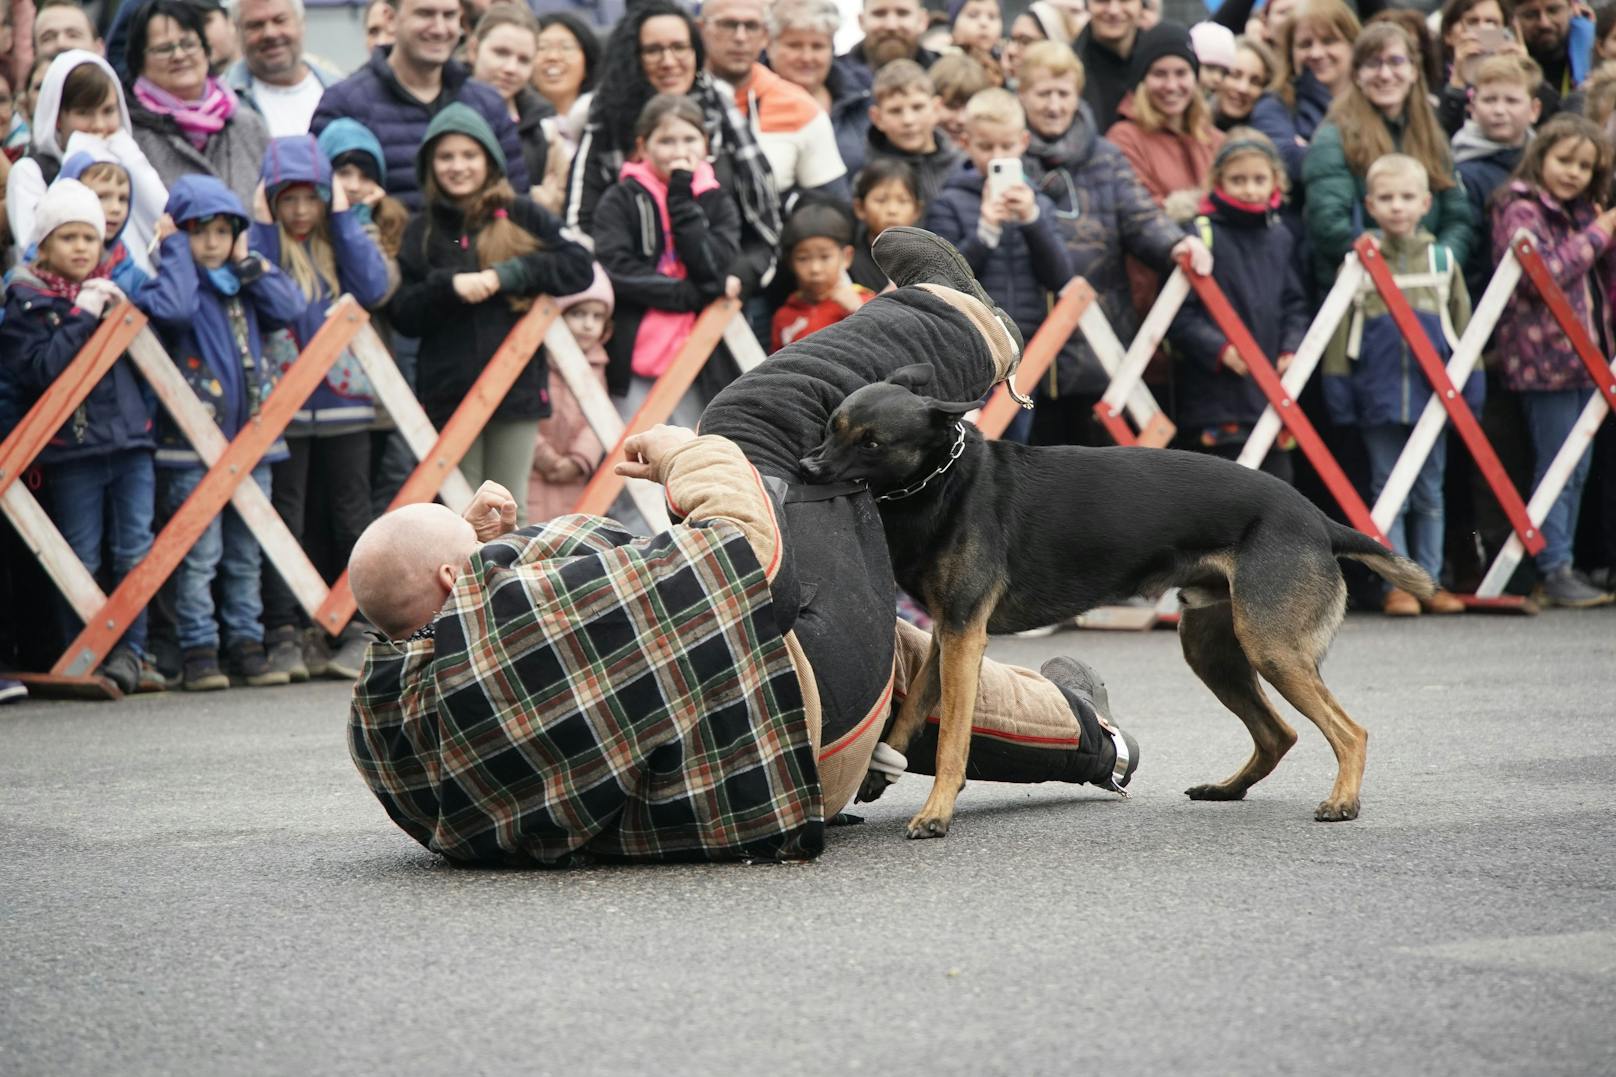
[1203, 226]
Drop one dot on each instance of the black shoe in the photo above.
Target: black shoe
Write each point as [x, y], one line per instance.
[1115, 753]
[201, 670]
[122, 668]
[247, 664]
[915, 256]
[349, 658]
[285, 647]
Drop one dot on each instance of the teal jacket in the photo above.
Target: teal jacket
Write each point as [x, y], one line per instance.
[1335, 213]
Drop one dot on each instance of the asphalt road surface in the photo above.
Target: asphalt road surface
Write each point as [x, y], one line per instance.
[202, 885]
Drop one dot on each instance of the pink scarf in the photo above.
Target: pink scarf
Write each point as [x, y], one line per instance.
[199, 120]
[663, 332]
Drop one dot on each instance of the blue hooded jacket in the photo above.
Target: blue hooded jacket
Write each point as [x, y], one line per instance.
[344, 398]
[193, 318]
[123, 271]
[345, 136]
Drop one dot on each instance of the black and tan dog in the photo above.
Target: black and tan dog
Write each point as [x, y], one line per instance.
[998, 537]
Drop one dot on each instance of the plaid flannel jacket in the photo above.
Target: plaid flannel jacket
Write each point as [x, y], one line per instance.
[588, 694]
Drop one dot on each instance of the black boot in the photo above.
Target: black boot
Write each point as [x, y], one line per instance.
[915, 256]
[1115, 754]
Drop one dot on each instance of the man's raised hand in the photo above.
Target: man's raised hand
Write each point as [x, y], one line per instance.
[643, 453]
[492, 512]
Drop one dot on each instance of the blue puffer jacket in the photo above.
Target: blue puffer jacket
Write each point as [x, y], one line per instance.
[849, 113]
[1029, 263]
[193, 318]
[1291, 129]
[344, 399]
[373, 96]
[41, 335]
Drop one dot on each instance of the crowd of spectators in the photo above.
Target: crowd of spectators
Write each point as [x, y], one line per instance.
[639, 161]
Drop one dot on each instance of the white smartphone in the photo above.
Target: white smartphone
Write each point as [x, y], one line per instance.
[1003, 173]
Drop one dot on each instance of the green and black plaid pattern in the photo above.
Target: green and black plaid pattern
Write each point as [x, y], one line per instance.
[590, 694]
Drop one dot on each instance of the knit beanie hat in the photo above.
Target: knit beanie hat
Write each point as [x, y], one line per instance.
[346, 141]
[69, 202]
[1159, 42]
[1051, 21]
[600, 290]
[458, 119]
[1214, 44]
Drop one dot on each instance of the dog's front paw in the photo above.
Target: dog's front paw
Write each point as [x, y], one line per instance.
[1332, 811]
[1214, 791]
[928, 826]
[873, 786]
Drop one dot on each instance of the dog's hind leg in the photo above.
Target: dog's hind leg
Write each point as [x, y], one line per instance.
[1299, 682]
[1206, 634]
[961, 665]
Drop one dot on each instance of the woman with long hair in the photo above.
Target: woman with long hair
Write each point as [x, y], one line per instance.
[1314, 50]
[1248, 81]
[1385, 110]
[1165, 128]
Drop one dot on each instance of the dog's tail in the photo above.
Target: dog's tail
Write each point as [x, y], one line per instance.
[1394, 569]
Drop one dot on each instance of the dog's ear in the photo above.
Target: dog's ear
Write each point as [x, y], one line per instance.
[914, 377]
[951, 409]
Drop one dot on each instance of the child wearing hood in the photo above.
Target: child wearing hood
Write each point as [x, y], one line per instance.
[98, 466]
[91, 163]
[81, 94]
[471, 263]
[568, 452]
[359, 167]
[667, 235]
[304, 225]
[212, 301]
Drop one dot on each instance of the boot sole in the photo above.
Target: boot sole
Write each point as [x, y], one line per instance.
[262, 680]
[208, 684]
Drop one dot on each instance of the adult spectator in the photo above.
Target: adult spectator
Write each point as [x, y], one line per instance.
[1042, 21]
[274, 77]
[224, 44]
[1469, 31]
[1385, 110]
[1250, 77]
[1560, 41]
[565, 73]
[657, 49]
[802, 50]
[1106, 48]
[892, 31]
[187, 121]
[1314, 50]
[502, 51]
[1164, 128]
[60, 25]
[1102, 214]
[378, 24]
[402, 87]
[794, 133]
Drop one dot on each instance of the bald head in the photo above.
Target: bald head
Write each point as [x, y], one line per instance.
[405, 564]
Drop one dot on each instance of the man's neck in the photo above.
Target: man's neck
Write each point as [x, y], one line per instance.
[421, 80]
[1122, 46]
[285, 80]
[741, 83]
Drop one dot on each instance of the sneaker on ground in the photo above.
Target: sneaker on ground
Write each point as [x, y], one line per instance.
[201, 671]
[1115, 754]
[12, 691]
[1564, 587]
[316, 652]
[247, 663]
[349, 657]
[151, 678]
[285, 647]
[122, 668]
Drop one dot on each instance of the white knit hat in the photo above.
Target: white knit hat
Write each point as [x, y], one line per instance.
[68, 202]
[1214, 44]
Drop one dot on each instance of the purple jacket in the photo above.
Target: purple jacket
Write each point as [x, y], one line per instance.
[1535, 355]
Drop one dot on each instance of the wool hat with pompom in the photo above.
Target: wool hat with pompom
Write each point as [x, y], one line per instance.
[69, 202]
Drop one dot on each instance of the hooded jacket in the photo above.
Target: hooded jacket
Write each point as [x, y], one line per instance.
[933, 169]
[458, 339]
[1483, 166]
[119, 264]
[343, 402]
[41, 334]
[31, 176]
[1027, 264]
[374, 96]
[566, 434]
[198, 323]
[1102, 212]
[345, 136]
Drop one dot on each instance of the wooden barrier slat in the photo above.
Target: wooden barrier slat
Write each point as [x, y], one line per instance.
[52, 552]
[1037, 356]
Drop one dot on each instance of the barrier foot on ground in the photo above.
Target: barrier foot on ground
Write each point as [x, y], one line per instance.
[62, 686]
[1512, 604]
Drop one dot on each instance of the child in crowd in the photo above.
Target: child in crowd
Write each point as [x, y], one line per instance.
[14, 130]
[958, 78]
[1253, 262]
[98, 466]
[1503, 108]
[976, 28]
[1562, 179]
[359, 167]
[92, 163]
[322, 489]
[80, 93]
[818, 241]
[471, 263]
[212, 301]
[903, 124]
[667, 236]
[568, 451]
[1372, 380]
[886, 195]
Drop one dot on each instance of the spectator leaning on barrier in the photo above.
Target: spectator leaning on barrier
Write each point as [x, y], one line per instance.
[187, 121]
[401, 88]
[274, 77]
[802, 51]
[472, 262]
[794, 133]
[80, 95]
[99, 465]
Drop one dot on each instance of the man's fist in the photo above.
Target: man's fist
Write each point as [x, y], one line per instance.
[492, 512]
[643, 454]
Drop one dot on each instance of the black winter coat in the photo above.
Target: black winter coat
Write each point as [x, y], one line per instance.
[457, 338]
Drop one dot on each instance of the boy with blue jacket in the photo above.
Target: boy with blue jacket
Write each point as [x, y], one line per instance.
[212, 301]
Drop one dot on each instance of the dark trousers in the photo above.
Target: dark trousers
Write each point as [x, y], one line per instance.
[322, 492]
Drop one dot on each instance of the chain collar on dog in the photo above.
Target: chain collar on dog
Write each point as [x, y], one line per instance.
[953, 454]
